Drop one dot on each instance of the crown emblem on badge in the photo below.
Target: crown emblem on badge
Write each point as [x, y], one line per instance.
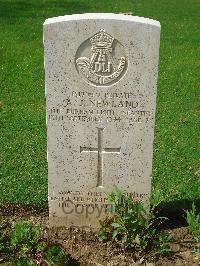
[105, 66]
[101, 40]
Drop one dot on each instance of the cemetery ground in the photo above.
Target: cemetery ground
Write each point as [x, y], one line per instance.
[176, 173]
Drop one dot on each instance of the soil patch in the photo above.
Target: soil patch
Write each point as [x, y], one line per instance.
[86, 249]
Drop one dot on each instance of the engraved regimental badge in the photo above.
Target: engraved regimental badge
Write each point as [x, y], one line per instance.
[101, 60]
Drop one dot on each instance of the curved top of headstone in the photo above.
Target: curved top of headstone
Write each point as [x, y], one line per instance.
[102, 16]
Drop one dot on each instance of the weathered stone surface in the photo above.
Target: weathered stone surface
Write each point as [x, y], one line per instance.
[100, 77]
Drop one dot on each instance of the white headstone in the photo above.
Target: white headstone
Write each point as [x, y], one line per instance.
[100, 78]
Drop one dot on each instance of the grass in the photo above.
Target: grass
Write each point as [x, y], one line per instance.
[22, 102]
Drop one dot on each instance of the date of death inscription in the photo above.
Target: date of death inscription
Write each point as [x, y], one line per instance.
[100, 107]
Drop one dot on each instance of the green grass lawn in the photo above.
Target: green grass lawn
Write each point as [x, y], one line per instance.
[23, 174]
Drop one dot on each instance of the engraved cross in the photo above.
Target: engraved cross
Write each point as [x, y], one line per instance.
[100, 150]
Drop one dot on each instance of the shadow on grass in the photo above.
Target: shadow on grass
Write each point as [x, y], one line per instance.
[175, 211]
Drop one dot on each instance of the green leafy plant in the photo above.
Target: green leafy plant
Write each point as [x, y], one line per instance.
[24, 247]
[56, 256]
[2, 247]
[133, 226]
[4, 238]
[193, 220]
[162, 246]
[24, 239]
[23, 262]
